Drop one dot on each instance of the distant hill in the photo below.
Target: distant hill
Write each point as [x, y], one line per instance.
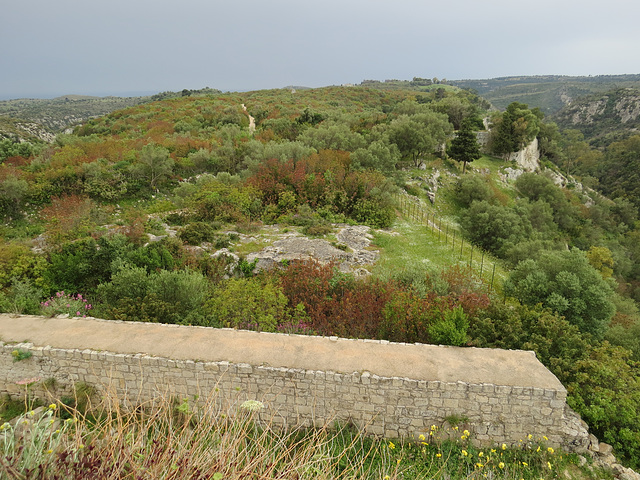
[550, 93]
[57, 114]
[603, 118]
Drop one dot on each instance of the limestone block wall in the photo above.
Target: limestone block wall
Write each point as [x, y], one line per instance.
[388, 406]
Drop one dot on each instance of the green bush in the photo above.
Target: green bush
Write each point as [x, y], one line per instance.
[452, 330]
[166, 297]
[196, 233]
[317, 230]
[471, 188]
[247, 303]
[21, 298]
[565, 282]
[372, 212]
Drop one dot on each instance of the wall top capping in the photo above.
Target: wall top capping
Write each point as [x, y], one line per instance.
[415, 361]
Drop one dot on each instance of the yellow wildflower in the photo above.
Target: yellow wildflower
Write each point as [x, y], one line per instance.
[438, 455]
[53, 406]
[392, 445]
[501, 465]
[466, 433]
[481, 454]
[479, 465]
[465, 453]
[387, 477]
[421, 437]
[549, 465]
[49, 451]
[538, 449]
[525, 464]
[550, 450]
[504, 446]
[529, 436]
[433, 428]
[545, 437]
[493, 450]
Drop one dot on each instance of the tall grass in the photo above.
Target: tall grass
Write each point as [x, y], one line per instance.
[169, 439]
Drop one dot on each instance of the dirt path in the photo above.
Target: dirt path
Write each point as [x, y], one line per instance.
[252, 121]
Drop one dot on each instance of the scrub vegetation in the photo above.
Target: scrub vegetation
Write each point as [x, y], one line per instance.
[553, 268]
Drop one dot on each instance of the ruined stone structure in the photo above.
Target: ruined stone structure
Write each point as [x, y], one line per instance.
[388, 389]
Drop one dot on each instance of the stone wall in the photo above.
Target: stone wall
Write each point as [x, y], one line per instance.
[387, 406]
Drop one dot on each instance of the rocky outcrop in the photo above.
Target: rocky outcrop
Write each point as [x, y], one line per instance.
[528, 158]
[351, 251]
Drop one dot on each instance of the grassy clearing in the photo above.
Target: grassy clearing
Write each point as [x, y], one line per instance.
[433, 247]
[493, 164]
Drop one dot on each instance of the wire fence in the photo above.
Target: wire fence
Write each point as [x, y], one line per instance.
[475, 258]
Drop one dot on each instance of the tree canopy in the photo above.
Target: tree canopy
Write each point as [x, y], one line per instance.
[515, 129]
[565, 282]
[464, 147]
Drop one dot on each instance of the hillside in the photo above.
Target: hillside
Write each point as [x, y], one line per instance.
[549, 93]
[157, 212]
[603, 118]
[60, 113]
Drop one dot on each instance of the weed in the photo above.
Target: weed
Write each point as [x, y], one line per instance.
[19, 354]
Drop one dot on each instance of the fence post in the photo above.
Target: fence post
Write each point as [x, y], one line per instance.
[493, 275]
[481, 263]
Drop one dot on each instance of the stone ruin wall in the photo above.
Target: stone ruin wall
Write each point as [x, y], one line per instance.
[386, 406]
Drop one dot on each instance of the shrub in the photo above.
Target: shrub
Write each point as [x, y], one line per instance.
[247, 303]
[565, 282]
[196, 233]
[495, 228]
[336, 303]
[317, 230]
[406, 319]
[22, 297]
[471, 188]
[66, 304]
[166, 296]
[452, 330]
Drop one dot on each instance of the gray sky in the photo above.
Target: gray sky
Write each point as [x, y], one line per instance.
[51, 48]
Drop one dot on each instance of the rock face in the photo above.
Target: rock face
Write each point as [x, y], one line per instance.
[354, 239]
[528, 158]
[600, 116]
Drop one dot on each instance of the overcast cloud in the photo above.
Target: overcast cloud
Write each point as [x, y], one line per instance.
[51, 48]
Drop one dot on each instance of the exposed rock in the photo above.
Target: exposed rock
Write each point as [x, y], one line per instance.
[528, 158]
[575, 428]
[511, 174]
[628, 474]
[37, 131]
[356, 238]
[231, 258]
[155, 238]
[605, 449]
